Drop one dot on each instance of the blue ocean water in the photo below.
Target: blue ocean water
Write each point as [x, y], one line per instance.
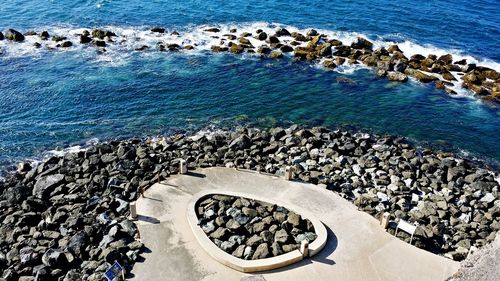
[58, 99]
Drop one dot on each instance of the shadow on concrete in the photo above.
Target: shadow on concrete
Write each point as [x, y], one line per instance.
[194, 174]
[321, 257]
[257, 172]
[148, 219]
[169, 184]
[153, 199]
[330, 247]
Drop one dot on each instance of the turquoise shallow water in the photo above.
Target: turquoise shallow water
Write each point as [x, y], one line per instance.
[54, 100]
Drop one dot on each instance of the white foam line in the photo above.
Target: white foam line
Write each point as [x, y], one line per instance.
[130, 38]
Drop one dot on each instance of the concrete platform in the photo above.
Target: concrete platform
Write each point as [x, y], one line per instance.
[357, 249]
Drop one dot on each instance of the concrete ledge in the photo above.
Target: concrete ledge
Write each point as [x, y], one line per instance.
[254, 265]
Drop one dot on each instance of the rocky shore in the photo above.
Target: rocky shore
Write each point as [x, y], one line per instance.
[446, 72]
[250, 229]
[67, 218]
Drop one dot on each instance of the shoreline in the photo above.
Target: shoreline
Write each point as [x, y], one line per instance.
[448, 196]
[478, 160]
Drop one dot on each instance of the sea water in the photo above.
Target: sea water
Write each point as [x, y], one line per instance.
[58, 99]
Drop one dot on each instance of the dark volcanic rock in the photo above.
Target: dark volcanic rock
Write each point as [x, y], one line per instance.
[282, 32]
[247, 226]
[54, 259]
[45, 185]
[68, 215]
[99, 43]
[213, 29]
[158, 29]
[361, 43]
[14, 35]
[66, 44]
[85, 39]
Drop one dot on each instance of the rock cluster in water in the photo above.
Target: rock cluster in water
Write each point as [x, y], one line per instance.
[391, 63]
[252, 230]
[66, 218]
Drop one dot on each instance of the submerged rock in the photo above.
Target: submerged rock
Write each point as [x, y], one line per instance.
[213, 29]
[158, 29]
[66, 44]
[397, 76]
[85, 39]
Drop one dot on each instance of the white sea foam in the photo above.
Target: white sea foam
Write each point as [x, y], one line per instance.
[62, 152]
[130, 38]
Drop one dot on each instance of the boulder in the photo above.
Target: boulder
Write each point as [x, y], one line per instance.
[45, 185]
[342, 51]
[448, 76]
[213, 29]
[236, 49]
[54, 259]
[158, 29]
[262, 36]
[314, 42]
[473, 77]
[312, 32]
[261, 252]
[301, 53]
[44, 35]
[273, 40]
[264, 49]
[245, 41]
[361, 43]
[77, 244]
[420, 76]
[339, 60]
[276, 55]
[282, 32]
[101, 34]
[329, 64]
[254, 241]
[445, 59]
[58, 38]
[276, 249]
[286, 49]
[99, 43]
[66, 44]
[219, 49]
[299, 37]
[241, 142]
[281, 236]
[417, 57]
[14, 35]
[1, 36]
[335, 42]
[397, 76]
[85, 39]
[393, 48]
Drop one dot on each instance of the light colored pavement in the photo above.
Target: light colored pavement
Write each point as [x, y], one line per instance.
[357, 249]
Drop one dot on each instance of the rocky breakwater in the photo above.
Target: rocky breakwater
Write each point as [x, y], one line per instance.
[445, 71]
[250, 229]
[66, 218]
